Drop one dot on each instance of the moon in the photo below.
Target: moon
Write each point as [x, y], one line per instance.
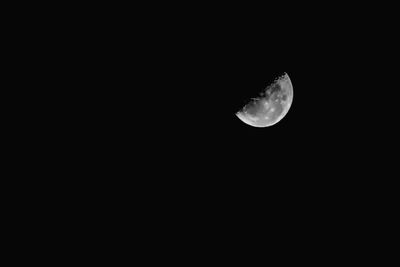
[272, 110]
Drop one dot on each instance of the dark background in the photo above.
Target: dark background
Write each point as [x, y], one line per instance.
[134, 113]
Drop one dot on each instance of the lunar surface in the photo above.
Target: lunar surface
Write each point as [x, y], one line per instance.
[271, 107]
